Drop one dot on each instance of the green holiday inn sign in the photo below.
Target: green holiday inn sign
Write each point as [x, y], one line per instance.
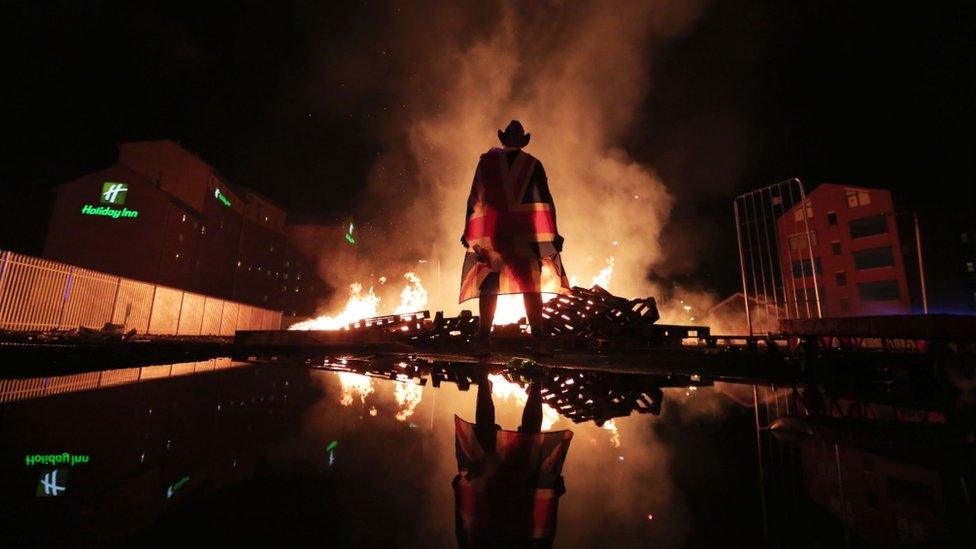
[113, 194]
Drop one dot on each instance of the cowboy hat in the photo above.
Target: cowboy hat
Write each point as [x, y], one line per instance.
[514, 135]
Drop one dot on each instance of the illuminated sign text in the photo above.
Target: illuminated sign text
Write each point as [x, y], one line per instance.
[108, 211]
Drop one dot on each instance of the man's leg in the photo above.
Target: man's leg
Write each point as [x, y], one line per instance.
[533, 310]
[540, 335]
[486, 308]
[485, 414]
[532, 414]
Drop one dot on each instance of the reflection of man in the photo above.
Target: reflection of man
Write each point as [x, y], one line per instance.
[509, 482]
[510, 233]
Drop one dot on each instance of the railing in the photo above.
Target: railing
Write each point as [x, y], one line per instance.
[38, 294]
[12, 390]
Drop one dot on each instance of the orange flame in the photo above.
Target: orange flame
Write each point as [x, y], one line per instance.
[614, 433]
[511, 308]
[413, 298]
[362, 305]
[408, 396]
[354, 385]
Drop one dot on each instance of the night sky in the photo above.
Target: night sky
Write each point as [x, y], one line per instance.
[868, 94]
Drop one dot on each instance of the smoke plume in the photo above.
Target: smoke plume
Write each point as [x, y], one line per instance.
[575, 73]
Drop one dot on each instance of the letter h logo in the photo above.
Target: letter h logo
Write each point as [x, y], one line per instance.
[114, 193]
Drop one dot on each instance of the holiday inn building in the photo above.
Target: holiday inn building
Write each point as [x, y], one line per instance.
[160, 214]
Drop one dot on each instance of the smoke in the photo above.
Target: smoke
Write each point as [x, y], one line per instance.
[576, 75]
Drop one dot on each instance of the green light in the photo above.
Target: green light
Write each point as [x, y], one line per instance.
[113, 193]
[349, 237]
[108, 211]
[174, 487]
[221, 197]
[332, 446]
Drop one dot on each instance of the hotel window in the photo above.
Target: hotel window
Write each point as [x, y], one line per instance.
[835, 247]
[807, 295]
[799, 241]
[873, 258]
[798, 213]
[885, 290]
[801, 268]
[857, 198]
[868, 226]
[832, 218]
[841, 278]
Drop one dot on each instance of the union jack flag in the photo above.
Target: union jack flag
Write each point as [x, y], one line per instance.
[510, 229]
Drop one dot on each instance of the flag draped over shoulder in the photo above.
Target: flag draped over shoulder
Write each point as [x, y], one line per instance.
[510, 229]
[509, 497]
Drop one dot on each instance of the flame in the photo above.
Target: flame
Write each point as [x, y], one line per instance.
[413, 298]
[511, 308]
[614, 433]
[352, 385]
[602, 278]
[408, 396]
[360, 305]
[503, 389]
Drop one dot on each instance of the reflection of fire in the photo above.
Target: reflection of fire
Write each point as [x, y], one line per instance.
[510, 308]
[614, 433]
[408, 396]
[365, 305]
[353, 385]
[503, 389]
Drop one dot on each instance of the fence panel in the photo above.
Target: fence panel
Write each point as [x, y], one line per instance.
[91, 298]
[771, 290]
[38, 294]
[244, 317]
[212, 310]
[191, 314]
[120, 377]
[166, 307]
[32, 293]
[133, 305]
[228, 322]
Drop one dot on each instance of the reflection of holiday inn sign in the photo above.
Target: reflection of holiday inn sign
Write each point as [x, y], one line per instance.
[112, 193]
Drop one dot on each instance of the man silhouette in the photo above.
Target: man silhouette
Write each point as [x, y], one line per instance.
[510, 235]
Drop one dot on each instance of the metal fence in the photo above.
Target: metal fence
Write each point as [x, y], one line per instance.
[769, 295]
[12, 390]
[38, 294]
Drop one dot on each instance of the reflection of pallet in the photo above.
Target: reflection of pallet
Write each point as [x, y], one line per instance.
[598, 397]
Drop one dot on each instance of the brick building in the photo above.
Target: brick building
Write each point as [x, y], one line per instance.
[863, 266]
[161, 214]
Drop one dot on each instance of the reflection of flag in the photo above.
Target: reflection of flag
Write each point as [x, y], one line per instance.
[510, 495]
[52, 483]
[511, 229]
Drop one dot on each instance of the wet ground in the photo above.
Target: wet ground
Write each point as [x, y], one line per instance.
[230, 453]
